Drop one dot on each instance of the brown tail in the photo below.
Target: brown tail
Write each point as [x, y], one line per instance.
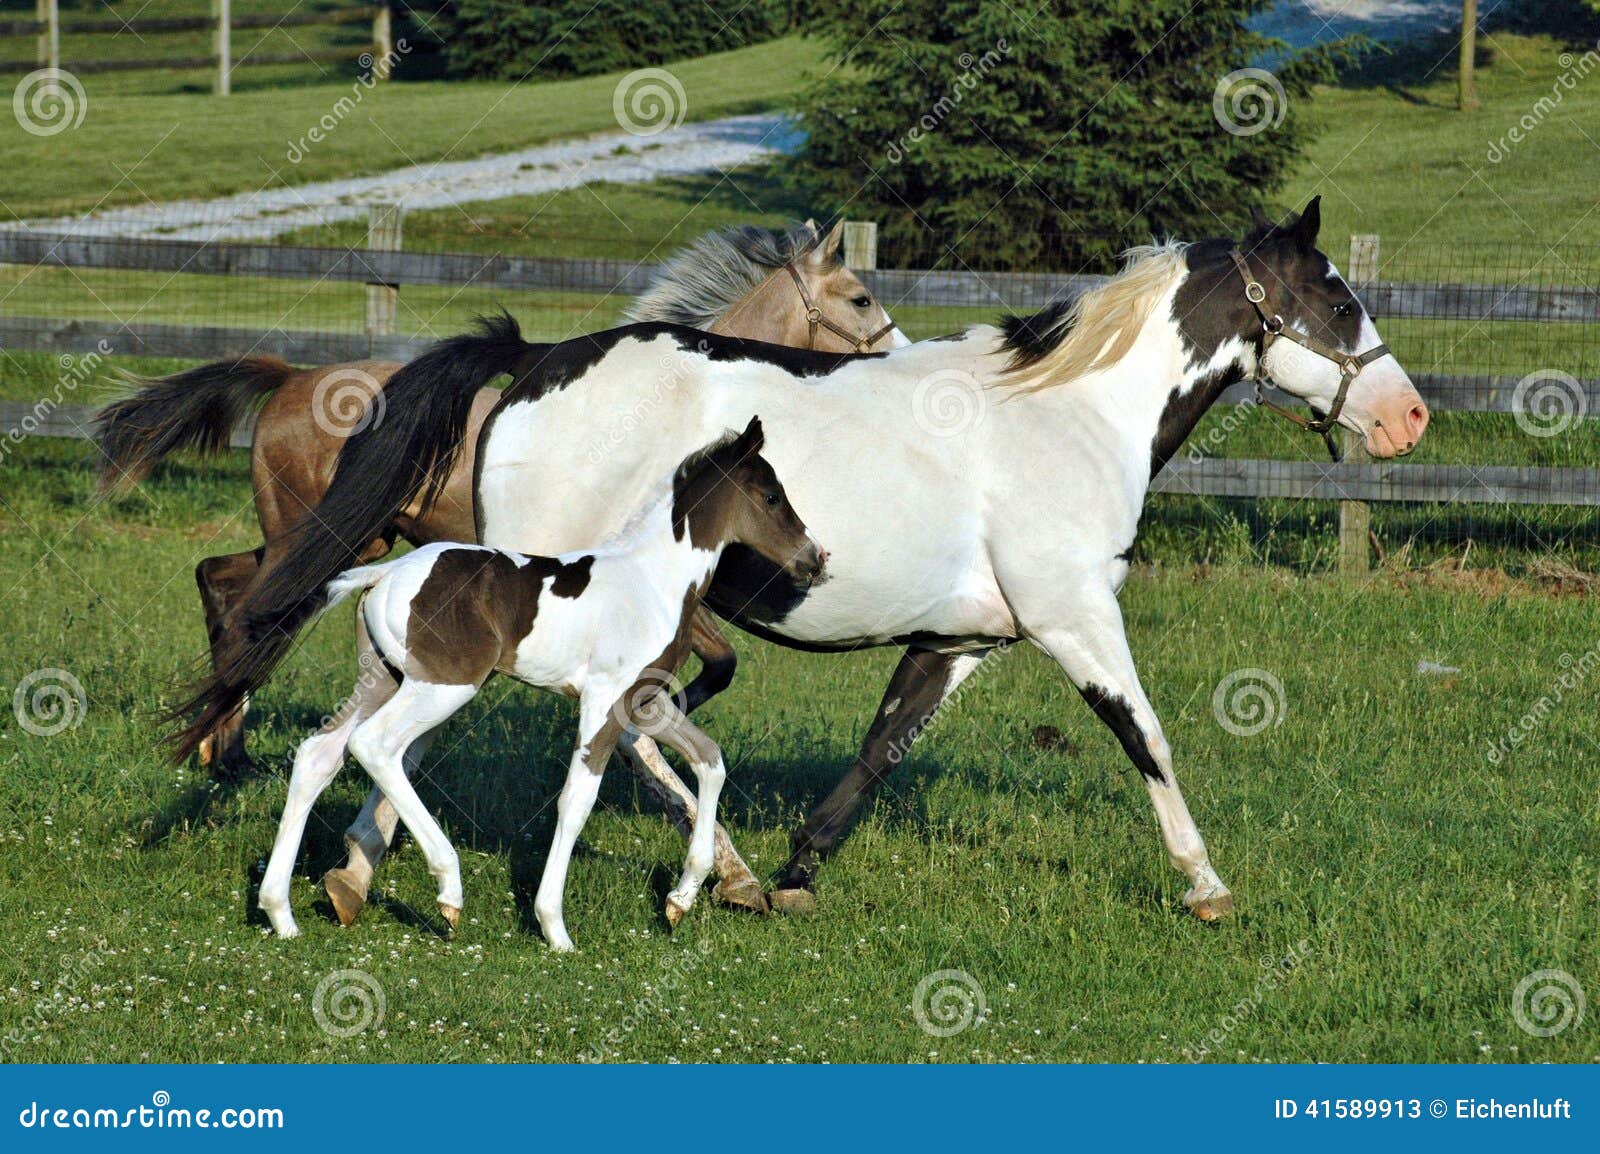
[197, 410]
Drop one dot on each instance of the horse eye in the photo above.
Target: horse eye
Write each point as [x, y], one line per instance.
[1346, 309]
[862, 302]
[773, 500]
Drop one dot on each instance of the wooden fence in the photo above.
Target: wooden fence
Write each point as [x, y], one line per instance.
[384, 268]
[48, 27]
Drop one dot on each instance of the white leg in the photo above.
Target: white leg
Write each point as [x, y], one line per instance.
[315, 764]
[367, 841]
[598, 732]
[380, 744]
[739, 885]
[1094, 653]
[706, 760]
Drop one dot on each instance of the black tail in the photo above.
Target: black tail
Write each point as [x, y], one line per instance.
[408, 451]
[195, 410]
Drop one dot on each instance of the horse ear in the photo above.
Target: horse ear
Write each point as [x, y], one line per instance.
[1309, 224]
[1259, 219]
[827, 249]
[811, 223]
[751, 440]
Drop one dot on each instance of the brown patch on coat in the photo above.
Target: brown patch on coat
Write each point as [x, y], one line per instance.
[476, 606]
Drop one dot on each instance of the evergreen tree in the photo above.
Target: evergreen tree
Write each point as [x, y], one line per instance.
[1057, 134]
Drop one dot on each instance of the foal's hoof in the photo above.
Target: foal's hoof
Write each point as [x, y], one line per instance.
[675, 913]
[745, 893]
[205, 751]
[795, 901]
[346, 894]
[451, 914]
[1210, 907]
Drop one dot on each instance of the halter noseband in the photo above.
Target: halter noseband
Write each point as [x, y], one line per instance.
[1273, 327]
[816, 320]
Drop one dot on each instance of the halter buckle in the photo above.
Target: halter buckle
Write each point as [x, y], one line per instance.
[1254, 293]
[1273, 324]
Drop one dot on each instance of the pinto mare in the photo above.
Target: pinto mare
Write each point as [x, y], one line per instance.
[1019, 525]
[605, 626]
[789, 287]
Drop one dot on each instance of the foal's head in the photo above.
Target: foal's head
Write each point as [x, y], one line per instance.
[727, 493]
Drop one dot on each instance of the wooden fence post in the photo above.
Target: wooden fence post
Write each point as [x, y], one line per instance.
[861, 244]
[382, 40]
[1355, 517]
[222, 15]
[48, 13]
[383, 300]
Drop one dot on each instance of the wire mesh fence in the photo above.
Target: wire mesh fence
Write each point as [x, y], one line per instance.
[1503, 341]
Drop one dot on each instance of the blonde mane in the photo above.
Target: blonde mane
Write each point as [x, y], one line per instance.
[1101, 326]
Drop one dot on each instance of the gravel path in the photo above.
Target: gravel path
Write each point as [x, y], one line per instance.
[617, 157]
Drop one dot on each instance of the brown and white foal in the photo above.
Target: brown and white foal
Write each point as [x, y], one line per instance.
[608, 626]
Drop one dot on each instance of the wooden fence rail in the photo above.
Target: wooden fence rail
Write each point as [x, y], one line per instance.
[385, 268]
[49, 27]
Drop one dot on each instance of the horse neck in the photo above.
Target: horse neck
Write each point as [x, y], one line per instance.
[681, 550]
[1151, 400]
[766, 313]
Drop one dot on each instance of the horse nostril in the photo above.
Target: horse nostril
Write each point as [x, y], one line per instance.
[1417, 419]
[822, 558]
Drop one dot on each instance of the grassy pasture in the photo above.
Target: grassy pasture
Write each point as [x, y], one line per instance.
[1411, 881]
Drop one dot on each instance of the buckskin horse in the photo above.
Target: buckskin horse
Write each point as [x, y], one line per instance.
[1017, 524]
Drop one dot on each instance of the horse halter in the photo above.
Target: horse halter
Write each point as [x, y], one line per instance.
[1273, 327]
[816, 320]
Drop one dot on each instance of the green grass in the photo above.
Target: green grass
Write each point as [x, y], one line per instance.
[1395, 157]
[1425, 880]
[135, 146]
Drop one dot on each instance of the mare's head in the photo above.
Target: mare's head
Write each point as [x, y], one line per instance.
[1275, 290]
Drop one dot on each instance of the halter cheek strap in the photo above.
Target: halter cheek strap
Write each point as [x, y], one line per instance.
[816, 320]
[1273, 327]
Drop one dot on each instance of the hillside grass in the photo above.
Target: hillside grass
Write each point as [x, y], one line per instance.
[1411, 881]
[135, 146]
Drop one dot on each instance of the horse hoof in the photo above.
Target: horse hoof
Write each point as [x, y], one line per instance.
[745, 893]
[346, 895]
[204, 751]
[795, 901]
[1213, 907]
[451, 914]
[675, 913]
